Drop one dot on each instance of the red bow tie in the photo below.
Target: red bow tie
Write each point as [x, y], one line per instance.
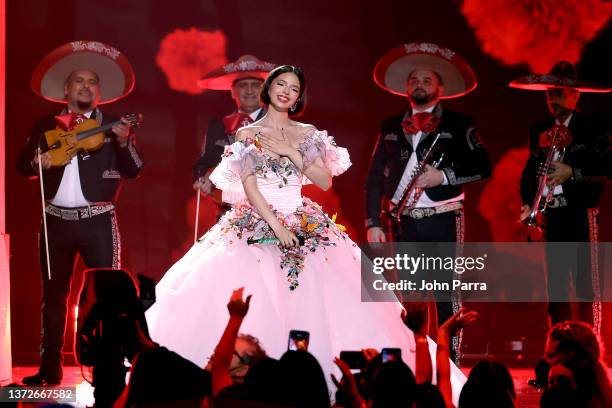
[235, 121]
[423, 121]
[69, 121]
[561, 134]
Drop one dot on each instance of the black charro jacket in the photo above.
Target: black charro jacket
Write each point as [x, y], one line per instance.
[214, 144]
[465, 159]
[587, 154]
[100, 171]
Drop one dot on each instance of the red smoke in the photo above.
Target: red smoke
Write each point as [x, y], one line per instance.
[186, 55]
[535, 32]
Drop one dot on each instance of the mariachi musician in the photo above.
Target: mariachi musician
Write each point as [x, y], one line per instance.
[576, 146]
[424, 197]
[79, 190]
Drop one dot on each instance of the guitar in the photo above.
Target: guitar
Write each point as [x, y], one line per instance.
[87, 136]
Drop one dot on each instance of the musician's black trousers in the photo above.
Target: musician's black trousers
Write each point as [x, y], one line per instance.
[437, 228]
[569, 224]
[97, 241]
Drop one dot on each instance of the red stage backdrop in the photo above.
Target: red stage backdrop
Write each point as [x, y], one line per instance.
[337, 44]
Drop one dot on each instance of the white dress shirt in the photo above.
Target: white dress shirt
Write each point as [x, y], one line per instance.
[254, 114]
[69, 193]
[424, 200]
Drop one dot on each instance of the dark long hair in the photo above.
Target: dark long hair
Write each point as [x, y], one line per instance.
[489, 383]
[300, 104]
[393, 386]
[304, 377]
[581, 351]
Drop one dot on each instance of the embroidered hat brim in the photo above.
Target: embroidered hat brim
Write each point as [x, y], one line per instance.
[115, 72]
[247, 66]
[392, 70]
[542, 82]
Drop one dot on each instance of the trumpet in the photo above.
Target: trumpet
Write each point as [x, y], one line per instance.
[559, 137]
[408, 199]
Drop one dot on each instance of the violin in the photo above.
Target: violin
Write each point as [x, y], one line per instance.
[87, 136]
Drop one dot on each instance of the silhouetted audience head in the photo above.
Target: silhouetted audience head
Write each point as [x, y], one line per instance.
[305, 380]
[572, 336]
[575, 346]
[161, 375]
[263, 383]
[561, 393]
[428, 396]
[393, 386]
[489, 385]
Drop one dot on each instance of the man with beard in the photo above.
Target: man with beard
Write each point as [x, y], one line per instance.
[424, 73]
[80, 194]
[577, 180]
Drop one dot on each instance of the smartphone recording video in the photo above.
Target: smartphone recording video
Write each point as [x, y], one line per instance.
[391, 354]
[298, 340]
[354, 359]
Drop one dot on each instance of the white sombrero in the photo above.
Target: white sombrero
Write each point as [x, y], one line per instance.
[247, 66]
[392, 70]
[112, 67]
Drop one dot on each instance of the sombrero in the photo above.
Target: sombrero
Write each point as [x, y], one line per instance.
[247, 66]
[392, 70]
[562, 74]
[112, 67]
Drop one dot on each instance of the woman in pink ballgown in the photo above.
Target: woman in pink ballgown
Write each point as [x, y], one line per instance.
[301, 268]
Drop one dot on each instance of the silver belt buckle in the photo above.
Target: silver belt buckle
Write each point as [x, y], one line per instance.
[554, 202]
[417, 213]
[66, 214]
[83, 213]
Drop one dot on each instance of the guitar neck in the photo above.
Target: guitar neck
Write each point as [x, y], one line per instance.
[95, 131]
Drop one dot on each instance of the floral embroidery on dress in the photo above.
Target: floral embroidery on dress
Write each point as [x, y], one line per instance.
[308, 222]
[260, 162]
[282, 170]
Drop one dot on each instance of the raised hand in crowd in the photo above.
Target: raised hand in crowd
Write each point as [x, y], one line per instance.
[348, 385]
[448, 329]
[238, 308]
[370, 354]
[415, 316]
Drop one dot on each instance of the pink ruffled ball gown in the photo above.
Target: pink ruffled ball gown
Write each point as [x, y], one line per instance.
[315, 287]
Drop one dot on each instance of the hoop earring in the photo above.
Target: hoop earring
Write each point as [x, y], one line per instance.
[292, 109]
